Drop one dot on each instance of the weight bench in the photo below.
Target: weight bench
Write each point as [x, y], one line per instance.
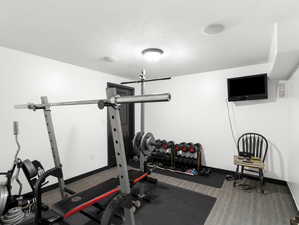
[82, 200]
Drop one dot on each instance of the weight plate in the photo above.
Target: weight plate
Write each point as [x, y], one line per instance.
[29, 169]
[147, 143]
[115, 206]
[136, 142]
[3, 198]
[13, 216]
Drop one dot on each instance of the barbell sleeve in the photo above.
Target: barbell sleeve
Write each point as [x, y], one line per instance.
[23, 106]
[143, 98]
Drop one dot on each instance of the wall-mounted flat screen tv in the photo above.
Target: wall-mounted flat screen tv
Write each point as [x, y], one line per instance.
[248, 88]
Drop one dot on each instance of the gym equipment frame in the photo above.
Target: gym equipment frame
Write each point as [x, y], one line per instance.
[143, 80]
[10, 210]
[112, 103]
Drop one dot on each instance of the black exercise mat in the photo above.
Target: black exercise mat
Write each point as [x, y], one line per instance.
[215, 179]
[170, 206]
[175, 206]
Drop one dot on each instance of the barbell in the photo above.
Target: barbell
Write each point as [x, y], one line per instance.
[144, 142]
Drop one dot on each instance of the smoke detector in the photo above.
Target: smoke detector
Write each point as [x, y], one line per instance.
[213, 29]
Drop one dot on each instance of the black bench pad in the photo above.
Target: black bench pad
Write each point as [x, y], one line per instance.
[75, 203]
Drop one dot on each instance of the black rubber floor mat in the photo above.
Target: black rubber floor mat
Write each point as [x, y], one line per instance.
[175, 206]
[172, 206]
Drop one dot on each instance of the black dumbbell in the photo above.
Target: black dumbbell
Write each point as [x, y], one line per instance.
[185, 161]
[158, 143]
[193, 163]
[164, 145]
[178, 161]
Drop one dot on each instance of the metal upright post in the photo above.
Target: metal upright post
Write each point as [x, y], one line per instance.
[142, 158]
[142, 104]
[120, 153]
[53, 143]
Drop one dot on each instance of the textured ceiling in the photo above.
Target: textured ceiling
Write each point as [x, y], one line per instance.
[109, 35]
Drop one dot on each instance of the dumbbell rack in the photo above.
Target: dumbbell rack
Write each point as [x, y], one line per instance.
[177, 156]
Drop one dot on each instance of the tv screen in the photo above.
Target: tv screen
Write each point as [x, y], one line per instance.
[248, 88]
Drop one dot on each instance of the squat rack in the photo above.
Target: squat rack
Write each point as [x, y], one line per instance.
[142, 80]
[112, 103]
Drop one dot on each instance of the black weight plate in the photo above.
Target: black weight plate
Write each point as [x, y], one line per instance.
[147, 143]
[136, 142]
[29, 169]
[3, 198]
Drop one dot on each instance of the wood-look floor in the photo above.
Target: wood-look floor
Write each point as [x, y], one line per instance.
[233, 206]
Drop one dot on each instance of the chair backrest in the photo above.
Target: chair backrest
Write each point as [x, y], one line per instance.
[254, 144]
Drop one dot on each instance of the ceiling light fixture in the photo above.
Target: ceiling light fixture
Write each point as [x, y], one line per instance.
[152, 54]
[214, 29]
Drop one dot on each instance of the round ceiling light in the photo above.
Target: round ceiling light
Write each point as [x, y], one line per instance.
[152, 54]
[213, 29]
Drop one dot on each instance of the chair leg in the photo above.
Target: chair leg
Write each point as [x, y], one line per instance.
[242, 172]
[236, 175]
[261, 174]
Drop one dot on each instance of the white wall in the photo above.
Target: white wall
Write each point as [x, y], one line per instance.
[80, 130]
[293, 162]
[198, 113]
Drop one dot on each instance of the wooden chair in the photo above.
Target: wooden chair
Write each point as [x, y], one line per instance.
[256, 147]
